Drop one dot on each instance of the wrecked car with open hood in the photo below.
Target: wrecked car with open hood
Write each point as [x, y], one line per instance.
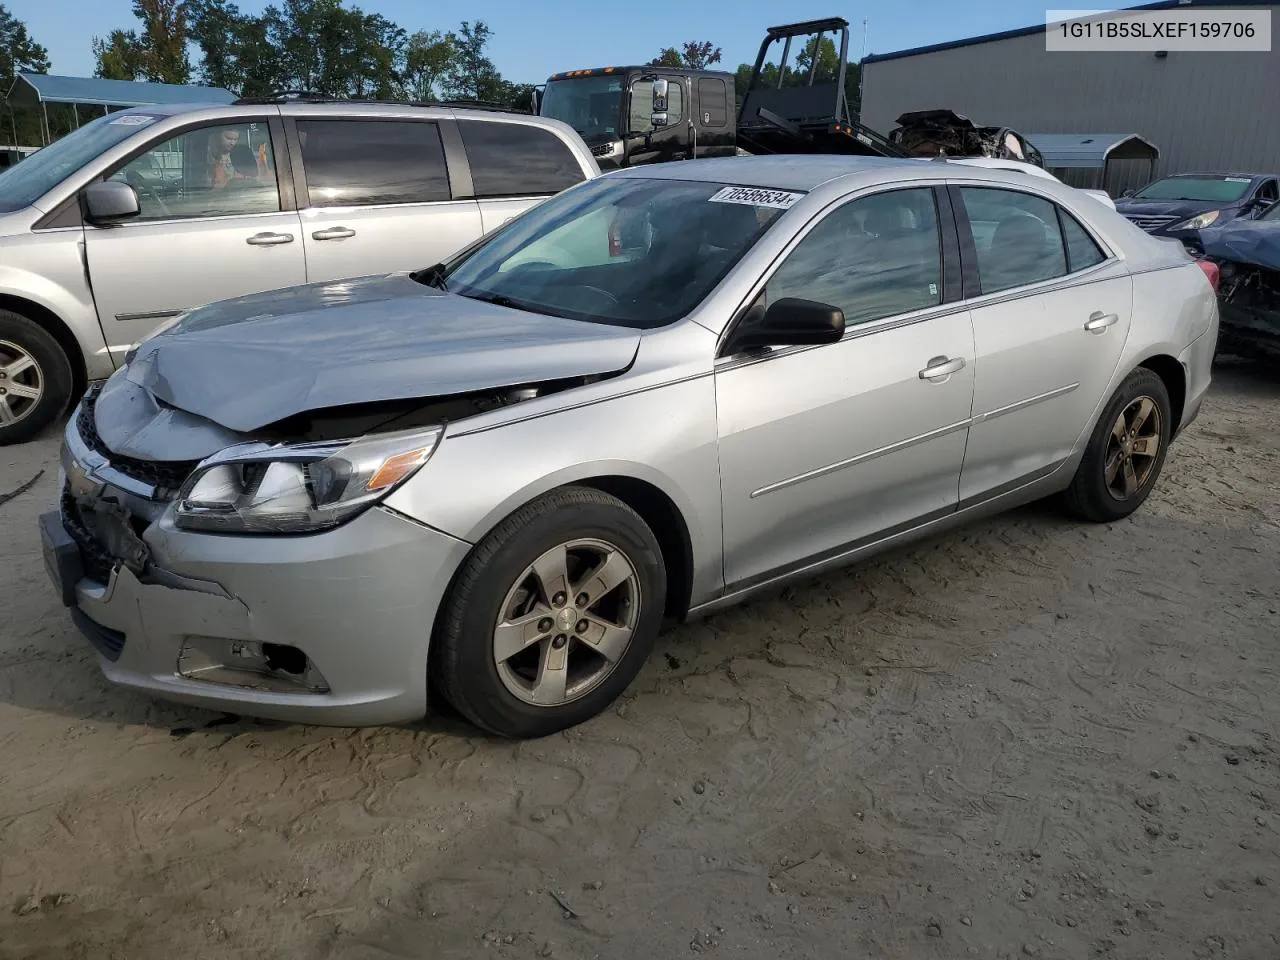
[945, 133]
[1247, 253]
[649, 397]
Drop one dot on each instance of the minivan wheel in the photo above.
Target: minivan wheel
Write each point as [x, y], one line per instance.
[35, 378]
[1125, 453]
[551, 616]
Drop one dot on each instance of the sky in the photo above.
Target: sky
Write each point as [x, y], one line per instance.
[531, 42]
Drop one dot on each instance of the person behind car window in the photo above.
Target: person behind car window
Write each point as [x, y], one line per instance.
[221, 169]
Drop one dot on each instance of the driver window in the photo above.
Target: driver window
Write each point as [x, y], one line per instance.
[641, 119]
[215, 171]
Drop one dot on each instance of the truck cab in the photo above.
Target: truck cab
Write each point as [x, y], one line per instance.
[644, 114]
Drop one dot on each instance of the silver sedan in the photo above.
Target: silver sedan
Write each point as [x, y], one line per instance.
[650, 397]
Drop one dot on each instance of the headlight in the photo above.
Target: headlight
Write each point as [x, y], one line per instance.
[259, 488]
[1199, 222]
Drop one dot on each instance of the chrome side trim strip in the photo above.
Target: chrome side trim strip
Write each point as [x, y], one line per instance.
[913, 441]
[149, 315]
[863, 457]
[1023, 404]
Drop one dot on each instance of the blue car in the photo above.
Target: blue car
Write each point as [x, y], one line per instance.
[1248, 257]
[1182, 205]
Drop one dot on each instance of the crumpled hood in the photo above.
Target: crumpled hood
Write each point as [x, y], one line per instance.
[1244, 241]
[1182, 209]
[252, 361]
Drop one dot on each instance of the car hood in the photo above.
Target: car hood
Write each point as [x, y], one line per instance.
[1255, 242]
[250, 362]
[1182, 209]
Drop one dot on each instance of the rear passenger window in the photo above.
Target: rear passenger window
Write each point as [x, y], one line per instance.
[363, 162]
[713, 102]
[1082, 251]
[517, 159]
[875, 257]
[1017, 238]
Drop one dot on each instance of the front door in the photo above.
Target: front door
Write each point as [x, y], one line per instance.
[377, 198]
[212, 226]
[824, 447]
[1048, 332]
[658, 144]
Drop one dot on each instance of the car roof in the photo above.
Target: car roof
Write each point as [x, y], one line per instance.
[807, 172]
[1217, 174]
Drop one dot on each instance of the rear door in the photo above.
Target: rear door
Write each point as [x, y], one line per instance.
[216, 222]
[1049, 324]
[375, 195]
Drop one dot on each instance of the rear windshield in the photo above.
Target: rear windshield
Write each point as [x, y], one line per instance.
[626, 251]
[27, 181]
[1212, 189]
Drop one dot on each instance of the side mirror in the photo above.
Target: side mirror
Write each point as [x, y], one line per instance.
[109, 201]
[1127, 193]
[659, 96]
[790, 322]
[535, 100]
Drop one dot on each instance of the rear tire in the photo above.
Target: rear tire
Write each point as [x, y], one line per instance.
[1125, 453]
[522, 652]
[35, 378]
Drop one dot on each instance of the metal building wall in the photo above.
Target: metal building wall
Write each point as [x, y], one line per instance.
[1205, 111]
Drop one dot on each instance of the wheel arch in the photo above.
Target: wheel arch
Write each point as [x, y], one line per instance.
[1174, 377]
[57, 328]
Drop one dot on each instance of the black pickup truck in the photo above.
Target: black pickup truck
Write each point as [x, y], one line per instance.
[648, 114]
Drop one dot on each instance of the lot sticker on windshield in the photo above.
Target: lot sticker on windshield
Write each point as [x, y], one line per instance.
[1237, 179]
[756, 197]
[133, 120]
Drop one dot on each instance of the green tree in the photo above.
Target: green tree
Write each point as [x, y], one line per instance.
[693, 55]
[428, 58]
[235, 50]
[472, 75]
[164, 40]
[119, 56]
[19, 53]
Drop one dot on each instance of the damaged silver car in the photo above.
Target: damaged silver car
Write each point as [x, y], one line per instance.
[650, 397]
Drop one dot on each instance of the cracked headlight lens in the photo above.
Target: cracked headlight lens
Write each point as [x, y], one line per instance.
[302, 488]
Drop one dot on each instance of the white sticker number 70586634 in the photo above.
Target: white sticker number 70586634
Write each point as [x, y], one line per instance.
[756, 197]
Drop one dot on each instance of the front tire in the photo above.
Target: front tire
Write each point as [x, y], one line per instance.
[35, 378]
[1126, 451]
[551, 616]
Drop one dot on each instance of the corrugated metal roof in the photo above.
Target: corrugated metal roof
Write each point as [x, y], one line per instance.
[1040, 28]
[116, 93]
[1087, 150]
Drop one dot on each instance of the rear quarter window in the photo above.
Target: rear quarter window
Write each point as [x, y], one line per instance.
[517, 159]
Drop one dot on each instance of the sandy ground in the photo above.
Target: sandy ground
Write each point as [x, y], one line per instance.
[1031, 738]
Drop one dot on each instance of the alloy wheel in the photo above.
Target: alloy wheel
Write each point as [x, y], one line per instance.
[1132, 448]
[566, 622]
[21, 383]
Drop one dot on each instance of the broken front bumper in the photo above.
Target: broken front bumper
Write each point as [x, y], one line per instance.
[358, 601]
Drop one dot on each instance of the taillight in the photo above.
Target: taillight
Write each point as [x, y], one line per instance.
[1211, 272]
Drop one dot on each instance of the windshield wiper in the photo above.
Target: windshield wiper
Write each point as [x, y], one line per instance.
[502, 300]
[433, 276]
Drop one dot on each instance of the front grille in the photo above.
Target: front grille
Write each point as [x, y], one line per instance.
[168, 475]
[94, 557]
[1150, 223]
[602, 149]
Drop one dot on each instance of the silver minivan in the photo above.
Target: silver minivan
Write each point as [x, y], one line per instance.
[143, 214]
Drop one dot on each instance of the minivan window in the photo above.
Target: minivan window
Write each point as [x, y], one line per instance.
[219, 170]
[875, 257]
[365, 162]
[629, 251]
[24, 183]
[1016, 235]
[517, 159]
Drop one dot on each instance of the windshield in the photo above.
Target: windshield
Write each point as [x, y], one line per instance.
[591, 105]
[626, 251]
[1208, 189]
[25, 183]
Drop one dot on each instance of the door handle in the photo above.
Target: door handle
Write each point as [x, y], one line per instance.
[333, 233]
[1099, 321]
[940, 367]
[269, 239]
